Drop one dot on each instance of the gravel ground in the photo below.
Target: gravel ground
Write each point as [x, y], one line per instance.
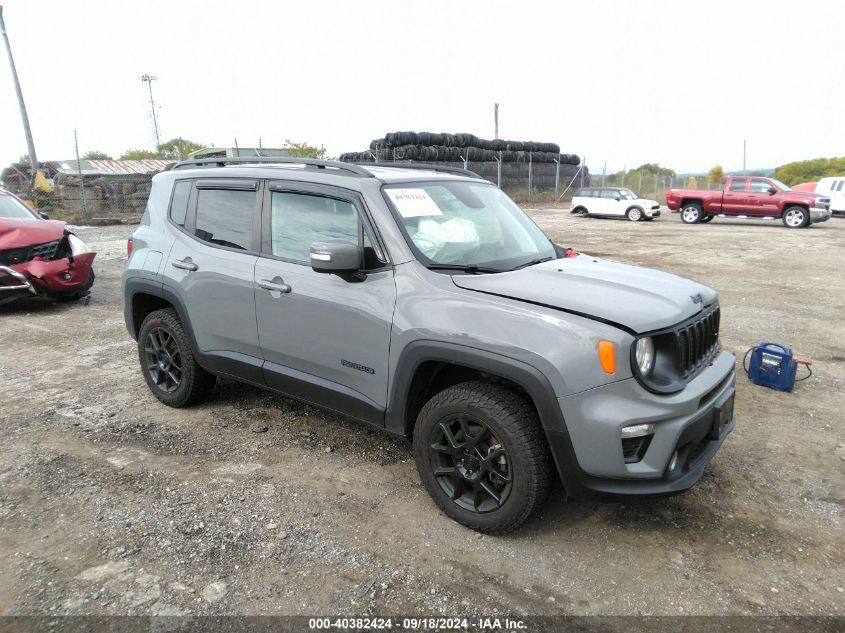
[111, 503]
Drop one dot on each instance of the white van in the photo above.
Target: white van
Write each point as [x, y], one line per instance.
[833, 186]
[614, 201]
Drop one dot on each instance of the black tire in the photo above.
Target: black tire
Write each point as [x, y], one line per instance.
[707, 218]
[175, 377]
[579, 211]
[691, 213]
[497, 447]
[795, 217]
[634, 214]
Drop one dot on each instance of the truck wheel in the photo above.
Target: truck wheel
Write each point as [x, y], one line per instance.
[691, 213]
[167, 361]
[635, 214]
[482, 456]
[796, 218]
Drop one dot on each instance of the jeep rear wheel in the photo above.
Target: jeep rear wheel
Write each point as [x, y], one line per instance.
[691, 213]
[168, 363]
[796, 218]
[482, 456]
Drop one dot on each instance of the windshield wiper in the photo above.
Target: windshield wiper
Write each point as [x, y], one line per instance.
[532, 263]
[467, 268]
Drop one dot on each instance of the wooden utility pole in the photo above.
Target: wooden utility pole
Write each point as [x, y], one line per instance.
[30, 146]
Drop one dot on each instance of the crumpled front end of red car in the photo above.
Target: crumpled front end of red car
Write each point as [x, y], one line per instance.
[59, 267]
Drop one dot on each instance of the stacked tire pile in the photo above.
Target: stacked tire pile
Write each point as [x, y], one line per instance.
[544, 160]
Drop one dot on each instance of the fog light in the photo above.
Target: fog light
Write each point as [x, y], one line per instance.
[674, 461]
[66, 276]
[637, 430]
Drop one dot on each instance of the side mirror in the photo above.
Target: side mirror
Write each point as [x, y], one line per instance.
[772, 190]
[336, 257]
[617, 198]
[44, 216]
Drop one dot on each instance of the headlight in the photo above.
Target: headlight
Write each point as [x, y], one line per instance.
[77, 246]
[644, 355]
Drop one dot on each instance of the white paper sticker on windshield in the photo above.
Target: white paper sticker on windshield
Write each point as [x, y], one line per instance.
[413, 203]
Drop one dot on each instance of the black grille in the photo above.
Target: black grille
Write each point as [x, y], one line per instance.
[697, 341]
[14, 256]
[633, 448]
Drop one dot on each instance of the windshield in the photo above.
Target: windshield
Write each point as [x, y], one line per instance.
[467, 224]
[11, 208]
[780, 185]
[627, 194]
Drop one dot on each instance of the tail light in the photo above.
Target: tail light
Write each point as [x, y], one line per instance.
[129, 247]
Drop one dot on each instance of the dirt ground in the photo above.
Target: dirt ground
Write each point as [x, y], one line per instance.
[111, 503]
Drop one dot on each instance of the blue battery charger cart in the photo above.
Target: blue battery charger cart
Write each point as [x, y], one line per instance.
[773, 365]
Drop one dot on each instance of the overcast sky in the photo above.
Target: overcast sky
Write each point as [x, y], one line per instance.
[679, 83]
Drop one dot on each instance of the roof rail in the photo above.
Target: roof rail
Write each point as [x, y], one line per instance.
[424, 166]
[224, 161]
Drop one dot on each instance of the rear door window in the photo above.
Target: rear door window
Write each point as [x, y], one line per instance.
[738, 184]
[225, 218]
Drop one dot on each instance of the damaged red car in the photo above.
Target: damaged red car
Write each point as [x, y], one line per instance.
[40, 257]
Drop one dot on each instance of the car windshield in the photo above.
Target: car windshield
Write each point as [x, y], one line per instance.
[627, 194]
[780, 185]
[467, 225]
[10, 207]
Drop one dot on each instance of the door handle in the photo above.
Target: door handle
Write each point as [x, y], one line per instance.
[184, 264]
[277, 284]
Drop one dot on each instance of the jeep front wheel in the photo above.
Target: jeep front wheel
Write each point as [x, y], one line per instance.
[691, 213]
[482, 456]
[167, 361]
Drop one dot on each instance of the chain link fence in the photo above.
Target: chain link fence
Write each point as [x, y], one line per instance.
[654, 186]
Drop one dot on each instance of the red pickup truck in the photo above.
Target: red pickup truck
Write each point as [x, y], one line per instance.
[748, 197]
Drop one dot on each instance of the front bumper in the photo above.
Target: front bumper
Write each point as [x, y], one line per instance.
[55, 277]
[689, 427]
[818, 214]
[653, 213]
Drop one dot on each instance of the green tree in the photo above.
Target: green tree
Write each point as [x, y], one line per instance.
[716, 175]
[95, 155]
[304, 150]
[175, 149]
[138, 154]
[178, 148]
[810, 170]
[24, 159]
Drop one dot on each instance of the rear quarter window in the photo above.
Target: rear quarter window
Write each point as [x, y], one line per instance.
[179, 201]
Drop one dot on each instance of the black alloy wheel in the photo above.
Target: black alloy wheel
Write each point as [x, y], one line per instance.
[470, 464]
[163, 360]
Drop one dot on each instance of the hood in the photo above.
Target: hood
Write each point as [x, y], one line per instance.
[634, 298]
[18, 232]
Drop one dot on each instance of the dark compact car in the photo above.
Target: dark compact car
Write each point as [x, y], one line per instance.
[40, 257]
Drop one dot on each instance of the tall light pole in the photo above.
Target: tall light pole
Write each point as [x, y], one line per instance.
[496, 121]
[30, 146]
[150, 79]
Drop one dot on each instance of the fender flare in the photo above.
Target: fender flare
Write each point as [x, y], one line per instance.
[531, 379]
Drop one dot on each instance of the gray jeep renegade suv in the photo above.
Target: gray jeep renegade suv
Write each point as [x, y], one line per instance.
[422, 300]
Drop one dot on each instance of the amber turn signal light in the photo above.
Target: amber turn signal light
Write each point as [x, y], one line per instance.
[607, 356]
